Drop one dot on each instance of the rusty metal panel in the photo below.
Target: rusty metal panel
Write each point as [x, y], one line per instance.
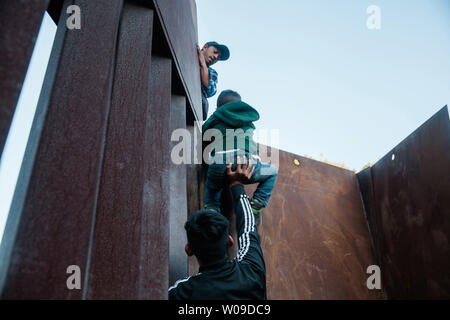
[115, 266]
[410, 213]
[314, 235]
[193, 6]
[19, 25]
[147, 231]
[177, 19]
[365, 184]
[155, 226]
[145, 257]
[195, 183]
[178, 260]
[57, 207]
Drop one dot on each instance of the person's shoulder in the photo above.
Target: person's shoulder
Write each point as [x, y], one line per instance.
[252, 271]
[183, 288]
[210, 123]
[185, 281]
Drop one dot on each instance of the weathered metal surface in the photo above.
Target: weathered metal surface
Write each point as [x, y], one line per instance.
[365, 184]
[178, 260]
[193, 6]
[19, 25]
[195, 183]
[409, 213]
[177, 19]
[314, 235]
[155, 226]
[115, 269]
[99, 183]
[59, 202]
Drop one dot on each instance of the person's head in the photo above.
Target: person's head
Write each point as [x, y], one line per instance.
[207, 235]
[227, 96]
[214, 52]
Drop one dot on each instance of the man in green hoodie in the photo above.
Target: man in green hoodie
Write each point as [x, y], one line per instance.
[232, 127]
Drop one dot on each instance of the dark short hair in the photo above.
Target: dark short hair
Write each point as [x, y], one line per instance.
[228, 96]
[207, 234]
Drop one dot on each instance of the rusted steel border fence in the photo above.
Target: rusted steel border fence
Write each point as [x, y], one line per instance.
[97, 188]
[19, 22]
[407, 202]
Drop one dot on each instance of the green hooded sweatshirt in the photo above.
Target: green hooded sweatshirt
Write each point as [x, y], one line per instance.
[234, 115]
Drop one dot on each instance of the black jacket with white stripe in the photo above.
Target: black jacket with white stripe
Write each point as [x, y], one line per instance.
[242, 278]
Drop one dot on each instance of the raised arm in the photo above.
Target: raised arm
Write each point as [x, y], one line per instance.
[248, 238]
[208, 76]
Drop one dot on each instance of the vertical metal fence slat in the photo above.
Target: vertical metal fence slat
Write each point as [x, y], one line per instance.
[19, 25]
[116, 268]
[178, 198]
[60, 199]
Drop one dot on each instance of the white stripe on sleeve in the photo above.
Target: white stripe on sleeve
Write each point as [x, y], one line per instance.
[249, 226]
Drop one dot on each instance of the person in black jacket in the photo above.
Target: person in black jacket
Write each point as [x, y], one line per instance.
[208, 239]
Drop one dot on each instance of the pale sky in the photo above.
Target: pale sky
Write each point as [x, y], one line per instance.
[315, 71]
[11, 158]
[333, 88]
